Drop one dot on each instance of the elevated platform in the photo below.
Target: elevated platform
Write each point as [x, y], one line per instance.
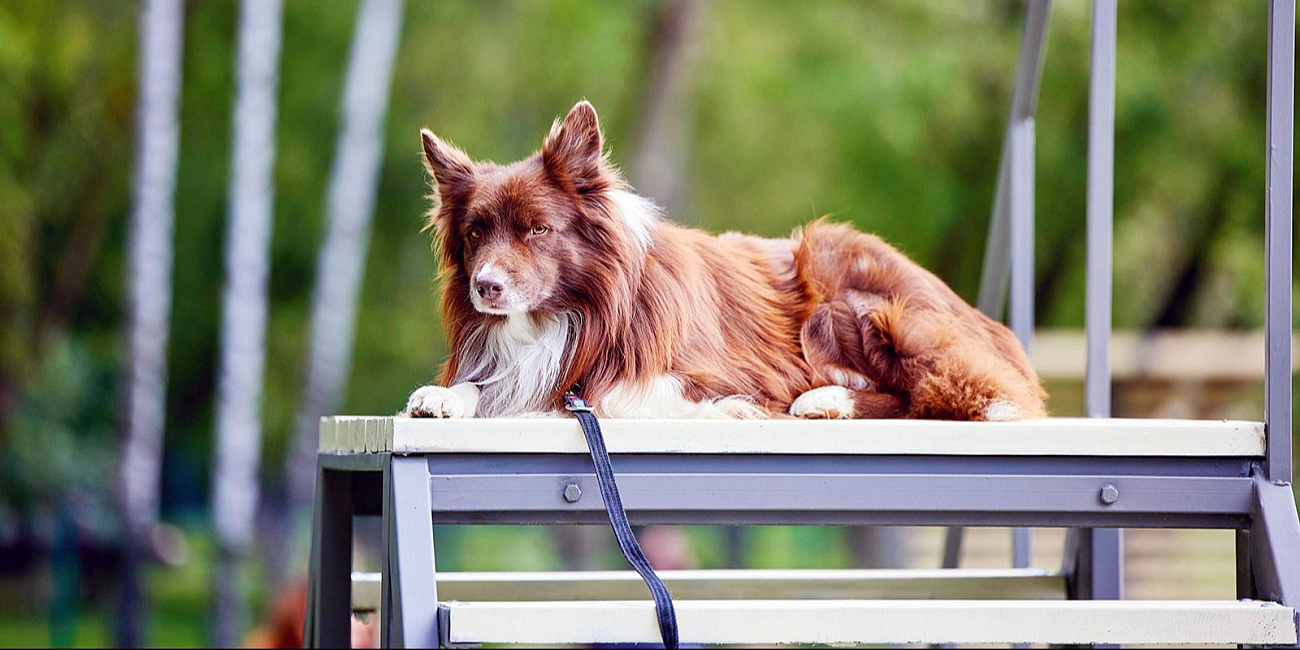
[1113, 437]
[1067, 472]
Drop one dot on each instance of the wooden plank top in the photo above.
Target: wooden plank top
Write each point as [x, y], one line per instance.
[563, 435]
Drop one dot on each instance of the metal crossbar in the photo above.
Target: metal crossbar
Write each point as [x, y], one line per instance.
[432, 475]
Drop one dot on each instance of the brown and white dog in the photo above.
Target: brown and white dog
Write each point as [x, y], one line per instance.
[557, 275]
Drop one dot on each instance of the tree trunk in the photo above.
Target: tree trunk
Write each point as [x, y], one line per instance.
[354, 180]
[149, 274]
[244, 311]
[659, 168]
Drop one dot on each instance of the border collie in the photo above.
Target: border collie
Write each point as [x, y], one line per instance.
[556, 276]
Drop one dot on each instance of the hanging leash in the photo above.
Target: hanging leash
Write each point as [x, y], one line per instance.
[618, 518]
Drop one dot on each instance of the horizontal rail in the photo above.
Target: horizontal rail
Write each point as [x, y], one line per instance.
[735, 584]
[843, 499]
[1042, 437]
[769, 622]
[1164, 355]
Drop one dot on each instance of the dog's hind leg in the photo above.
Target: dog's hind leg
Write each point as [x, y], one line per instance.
[948, 364]
[838, 402]
[922, 363]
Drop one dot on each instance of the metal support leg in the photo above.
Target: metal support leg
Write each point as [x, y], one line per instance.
[1092, 552]
[952, 547]
[1277, 215]
[330, 585]
[409, 562]
[1275, 544]
[387, 635]
[1020, 548]
[1101, 207]
[1021, 309]
[1106, 564]
[1245, 578]
[1107, 579]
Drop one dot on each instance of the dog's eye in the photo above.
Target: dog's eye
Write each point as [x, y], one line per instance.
[475, 233]
[539, 229]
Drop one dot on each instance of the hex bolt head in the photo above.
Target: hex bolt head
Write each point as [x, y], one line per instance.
[1109, 494]
[572, 493]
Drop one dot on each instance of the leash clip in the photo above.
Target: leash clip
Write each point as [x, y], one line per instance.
[576, 404]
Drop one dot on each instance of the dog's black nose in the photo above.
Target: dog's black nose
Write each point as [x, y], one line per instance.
[489, 288]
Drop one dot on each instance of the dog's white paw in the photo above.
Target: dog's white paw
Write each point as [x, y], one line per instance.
[827, 402]
[436, 402]
[1002, 411]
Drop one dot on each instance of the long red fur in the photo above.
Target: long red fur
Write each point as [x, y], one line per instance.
[727, 315]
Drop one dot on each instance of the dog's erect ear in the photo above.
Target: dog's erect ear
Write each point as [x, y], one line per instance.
[572, 153]
[448, 165]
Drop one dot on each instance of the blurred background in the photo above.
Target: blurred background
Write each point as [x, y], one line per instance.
[210, 236]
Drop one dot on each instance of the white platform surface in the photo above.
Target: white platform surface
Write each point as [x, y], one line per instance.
[1042, 437]
[729, 584]
[878, 621]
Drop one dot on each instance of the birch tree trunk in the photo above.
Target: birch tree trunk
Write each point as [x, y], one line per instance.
[354, 181]
[149, 272]
[244, 311]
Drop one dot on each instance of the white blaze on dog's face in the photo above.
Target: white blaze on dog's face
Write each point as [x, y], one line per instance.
[521, 238]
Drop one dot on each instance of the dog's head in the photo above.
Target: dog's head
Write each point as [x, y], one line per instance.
[533, 236]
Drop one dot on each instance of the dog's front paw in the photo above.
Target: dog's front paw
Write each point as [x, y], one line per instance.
[827, 402]
[436, 402]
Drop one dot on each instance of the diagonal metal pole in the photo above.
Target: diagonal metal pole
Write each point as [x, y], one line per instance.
[996, 273]
[1024, 101]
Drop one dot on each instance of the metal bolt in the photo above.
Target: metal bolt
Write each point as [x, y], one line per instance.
[572, 493]
[1109, 494]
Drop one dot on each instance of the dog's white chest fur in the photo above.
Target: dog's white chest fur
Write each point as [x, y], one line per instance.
[516, 362]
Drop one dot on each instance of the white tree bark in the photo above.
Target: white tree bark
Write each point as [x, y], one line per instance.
[248, 245]
[149, 273]
[353, 184]
[244, 315]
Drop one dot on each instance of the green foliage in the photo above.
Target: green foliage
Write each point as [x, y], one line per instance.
[888, 115]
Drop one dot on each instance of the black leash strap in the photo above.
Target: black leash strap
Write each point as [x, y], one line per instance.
[618, 518]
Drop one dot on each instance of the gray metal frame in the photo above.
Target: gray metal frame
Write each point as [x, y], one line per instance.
[1098, 495]
[1099, 553]
[1277, 211]
[410, 492]
[1009, 254]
